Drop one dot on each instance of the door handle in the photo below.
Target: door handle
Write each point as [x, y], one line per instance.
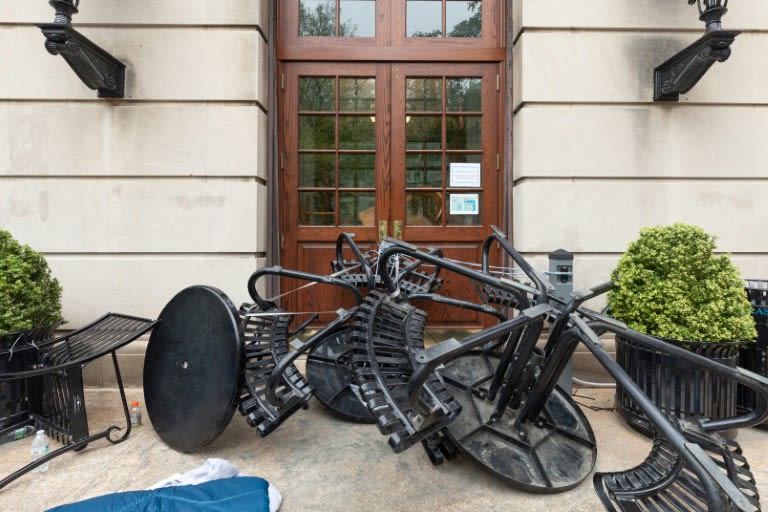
[397, 229]
[382, 230]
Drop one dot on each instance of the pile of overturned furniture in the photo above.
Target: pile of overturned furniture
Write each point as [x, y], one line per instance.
[491, 396]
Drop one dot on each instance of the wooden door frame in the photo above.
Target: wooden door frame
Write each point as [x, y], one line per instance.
[328, 50]
[490, 47]
[320, 238]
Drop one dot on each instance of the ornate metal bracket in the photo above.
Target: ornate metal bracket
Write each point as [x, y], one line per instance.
[681, 72]
[95, 67]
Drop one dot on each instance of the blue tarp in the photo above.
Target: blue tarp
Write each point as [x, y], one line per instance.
[238, 494]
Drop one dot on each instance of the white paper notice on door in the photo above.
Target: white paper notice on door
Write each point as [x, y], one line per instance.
[465, 174]
[465, 204]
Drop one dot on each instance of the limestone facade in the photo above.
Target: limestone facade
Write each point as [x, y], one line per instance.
[133, 199]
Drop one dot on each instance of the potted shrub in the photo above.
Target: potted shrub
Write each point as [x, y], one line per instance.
[30, 310]
[29, 296]
[670, 284]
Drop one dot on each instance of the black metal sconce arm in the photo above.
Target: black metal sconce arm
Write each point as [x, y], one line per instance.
[94, 66]
[682, 71]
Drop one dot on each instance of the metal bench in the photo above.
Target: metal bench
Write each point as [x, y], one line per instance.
[54, 384]
[691, 466]
[665, 482]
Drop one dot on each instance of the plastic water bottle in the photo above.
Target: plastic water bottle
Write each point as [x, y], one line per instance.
[19, 433]
[135, 414]
[40, 446]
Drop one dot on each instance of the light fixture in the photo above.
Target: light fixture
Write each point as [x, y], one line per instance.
[95, 67]
[682, 71]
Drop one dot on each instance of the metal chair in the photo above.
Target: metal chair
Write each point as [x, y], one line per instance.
[55, 384]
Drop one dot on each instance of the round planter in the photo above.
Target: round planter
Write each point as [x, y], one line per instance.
[676, 387]
[754, 356]
[18, 351]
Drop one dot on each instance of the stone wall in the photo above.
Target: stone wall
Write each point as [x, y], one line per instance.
[594, 159]
[131, 200]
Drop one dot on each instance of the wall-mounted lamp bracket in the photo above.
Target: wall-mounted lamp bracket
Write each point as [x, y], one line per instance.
[95, 67]
[681, 72]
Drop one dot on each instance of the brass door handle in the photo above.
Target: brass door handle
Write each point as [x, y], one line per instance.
[397, 229]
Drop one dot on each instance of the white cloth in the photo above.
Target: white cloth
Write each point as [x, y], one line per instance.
[215, 469]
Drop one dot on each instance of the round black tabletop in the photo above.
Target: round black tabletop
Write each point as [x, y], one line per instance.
[330, 372]
[193, 367]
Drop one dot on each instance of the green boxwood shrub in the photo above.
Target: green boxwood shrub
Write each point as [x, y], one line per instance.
[29, 296]
[670, 284]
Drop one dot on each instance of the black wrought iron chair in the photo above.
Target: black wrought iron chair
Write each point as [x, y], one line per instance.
[362, 269]
[54, 383]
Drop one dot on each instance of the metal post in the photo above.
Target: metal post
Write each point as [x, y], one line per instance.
[561, 277]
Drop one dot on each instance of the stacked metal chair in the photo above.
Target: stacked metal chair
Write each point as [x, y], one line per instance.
[475, 394]
[329, 365]
[251, 353]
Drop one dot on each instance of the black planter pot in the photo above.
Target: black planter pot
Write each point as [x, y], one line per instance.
[18, 351]
[754, 356]
[676, 387]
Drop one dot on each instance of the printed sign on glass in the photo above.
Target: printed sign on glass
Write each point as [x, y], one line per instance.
[465, 204]
[465, 174]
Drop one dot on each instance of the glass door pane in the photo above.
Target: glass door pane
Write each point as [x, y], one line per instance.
[336, 150]
[444, 151]
[337, 18]
[444, 18]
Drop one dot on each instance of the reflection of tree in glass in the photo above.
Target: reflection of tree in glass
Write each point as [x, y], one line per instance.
[434, 33]
[321, 21]
[424, 208]
[317, 132]
[472, 26]
[317, 94]
[463, 94]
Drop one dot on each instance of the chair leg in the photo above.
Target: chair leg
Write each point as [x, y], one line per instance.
[61, 409]
[126, 411]
[78, 417]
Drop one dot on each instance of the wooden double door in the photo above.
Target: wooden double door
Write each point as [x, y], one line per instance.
[406, 150]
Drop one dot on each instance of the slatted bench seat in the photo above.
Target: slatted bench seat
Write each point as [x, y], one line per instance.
[266, 341]
[691, 466]
[664, 482]
[55, 383]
